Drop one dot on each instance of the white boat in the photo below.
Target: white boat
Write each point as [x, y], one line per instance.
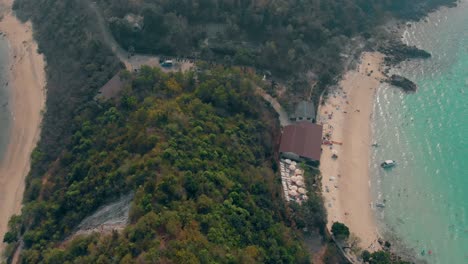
[388, 164]
[380, 205]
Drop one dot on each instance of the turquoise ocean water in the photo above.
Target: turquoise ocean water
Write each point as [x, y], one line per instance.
[426, 195]
[5, 116]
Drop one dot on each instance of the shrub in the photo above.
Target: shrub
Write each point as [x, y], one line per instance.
[340, 231]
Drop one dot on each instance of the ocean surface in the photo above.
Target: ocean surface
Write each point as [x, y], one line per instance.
[5, 116]
[426, 194]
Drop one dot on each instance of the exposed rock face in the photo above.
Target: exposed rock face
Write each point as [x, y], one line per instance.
[403, 83]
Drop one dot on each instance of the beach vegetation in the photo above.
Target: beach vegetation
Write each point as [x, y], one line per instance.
[354, 243]
[340, 231]
[381, 257]
[366, 255]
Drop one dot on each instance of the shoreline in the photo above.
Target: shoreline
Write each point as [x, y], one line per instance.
[5, 116]
[346, 117]
[27, 100]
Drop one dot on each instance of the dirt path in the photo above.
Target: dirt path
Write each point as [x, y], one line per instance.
[282, 115]
[136, 61]
[107, 35]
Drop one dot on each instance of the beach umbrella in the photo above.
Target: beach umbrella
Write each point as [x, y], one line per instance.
[301, 191]
[293, 187]
[288, 161]
[299, 183]
[292, 167]
[292, 193]
[298, 171]
[299, 178]
[293, 163]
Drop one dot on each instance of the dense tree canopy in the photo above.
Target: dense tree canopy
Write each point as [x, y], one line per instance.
[199, 158]
[287, 37]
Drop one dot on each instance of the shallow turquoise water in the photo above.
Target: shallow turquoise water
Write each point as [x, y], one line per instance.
[426, 133]
[4, 111]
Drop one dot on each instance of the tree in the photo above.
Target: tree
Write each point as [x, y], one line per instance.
[365, 256]
[9, 237]
[340, 231]
[380, 257]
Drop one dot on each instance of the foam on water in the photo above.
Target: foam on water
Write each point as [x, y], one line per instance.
[4, 110]
[426, 195]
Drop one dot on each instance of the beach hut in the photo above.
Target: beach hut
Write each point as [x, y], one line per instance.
[302, 141]
[305, 110]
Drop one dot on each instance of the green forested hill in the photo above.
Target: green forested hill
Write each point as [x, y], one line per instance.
[198, 156]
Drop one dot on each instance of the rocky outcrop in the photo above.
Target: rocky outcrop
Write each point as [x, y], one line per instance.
[397, 52]
[403, 83]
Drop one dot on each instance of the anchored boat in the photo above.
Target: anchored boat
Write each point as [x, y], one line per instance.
[388, 164]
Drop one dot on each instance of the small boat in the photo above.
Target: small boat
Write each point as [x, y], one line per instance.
[388, 164]
[380, 205]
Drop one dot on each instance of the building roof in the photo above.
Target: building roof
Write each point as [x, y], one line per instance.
[112, 87]
[305, 109]
[303, 139]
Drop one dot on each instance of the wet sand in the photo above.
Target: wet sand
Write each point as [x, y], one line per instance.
[27, 82]
[346, 117]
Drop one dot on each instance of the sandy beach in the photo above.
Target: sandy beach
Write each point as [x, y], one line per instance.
[27, 82]
[346, 117]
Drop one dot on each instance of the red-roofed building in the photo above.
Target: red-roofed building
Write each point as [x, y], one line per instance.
[302, 141]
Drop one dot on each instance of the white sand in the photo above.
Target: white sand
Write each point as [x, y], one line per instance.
[27, 82]
[347, 178]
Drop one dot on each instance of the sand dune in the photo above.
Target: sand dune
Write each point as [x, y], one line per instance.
[346, 116]
[27, 82]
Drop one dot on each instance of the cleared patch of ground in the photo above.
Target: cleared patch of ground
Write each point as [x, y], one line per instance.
[112, 216]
